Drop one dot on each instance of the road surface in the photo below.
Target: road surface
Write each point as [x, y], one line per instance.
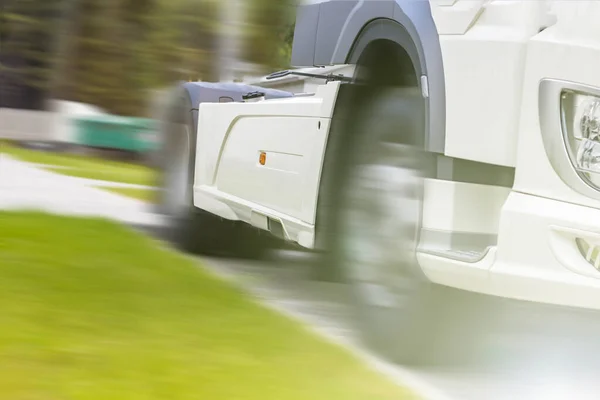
[27, 187]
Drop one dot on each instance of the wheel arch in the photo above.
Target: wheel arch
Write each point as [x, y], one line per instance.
[404, 52]
[337, 32]
[425, 65]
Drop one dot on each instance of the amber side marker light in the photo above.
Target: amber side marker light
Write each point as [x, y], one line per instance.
[262, 159]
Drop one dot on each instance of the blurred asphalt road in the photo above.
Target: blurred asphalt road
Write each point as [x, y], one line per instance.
[485, 348]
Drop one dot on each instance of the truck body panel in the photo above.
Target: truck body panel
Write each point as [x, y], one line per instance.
[484, 70]
[292, 135]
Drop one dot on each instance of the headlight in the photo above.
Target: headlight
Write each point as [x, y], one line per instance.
[589, 120]
[580, 114]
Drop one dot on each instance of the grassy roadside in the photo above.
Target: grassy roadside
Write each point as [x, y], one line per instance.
[84, 166]
[147, 195]
[92, 311]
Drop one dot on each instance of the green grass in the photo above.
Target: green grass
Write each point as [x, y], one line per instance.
[93, 311]
[84, 166]
[124, 173]
[147, 195]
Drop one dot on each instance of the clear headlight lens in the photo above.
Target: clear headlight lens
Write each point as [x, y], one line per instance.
[581, 127]
[588, 156]
[589, 119]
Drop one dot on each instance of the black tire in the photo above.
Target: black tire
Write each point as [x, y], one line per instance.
[341, 139]
[381, 190]
[194, 230]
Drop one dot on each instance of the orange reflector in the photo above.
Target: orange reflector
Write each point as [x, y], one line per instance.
[262, 159]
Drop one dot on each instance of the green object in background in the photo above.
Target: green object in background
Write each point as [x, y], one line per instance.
[119, 133]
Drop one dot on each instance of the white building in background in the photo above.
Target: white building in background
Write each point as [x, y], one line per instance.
[55, 125]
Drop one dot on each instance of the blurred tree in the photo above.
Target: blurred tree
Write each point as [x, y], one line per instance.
[269, 32]
[111, 52]
[287, 43]
[26, 46]
[126, 47]
[109, 64]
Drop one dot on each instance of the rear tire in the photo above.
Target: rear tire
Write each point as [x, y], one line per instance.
[194, 230]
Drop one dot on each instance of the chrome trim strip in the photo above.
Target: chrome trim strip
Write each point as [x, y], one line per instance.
[554, 134]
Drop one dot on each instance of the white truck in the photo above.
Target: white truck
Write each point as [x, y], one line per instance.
[463, 151]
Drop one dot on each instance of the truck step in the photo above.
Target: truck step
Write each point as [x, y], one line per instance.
[470, 256]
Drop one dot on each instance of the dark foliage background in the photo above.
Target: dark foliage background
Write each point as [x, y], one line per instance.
[112, 52]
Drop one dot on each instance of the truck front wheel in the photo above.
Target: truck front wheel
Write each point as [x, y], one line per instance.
[379, 222]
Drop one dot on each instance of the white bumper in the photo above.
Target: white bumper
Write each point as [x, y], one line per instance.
[537, 258]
